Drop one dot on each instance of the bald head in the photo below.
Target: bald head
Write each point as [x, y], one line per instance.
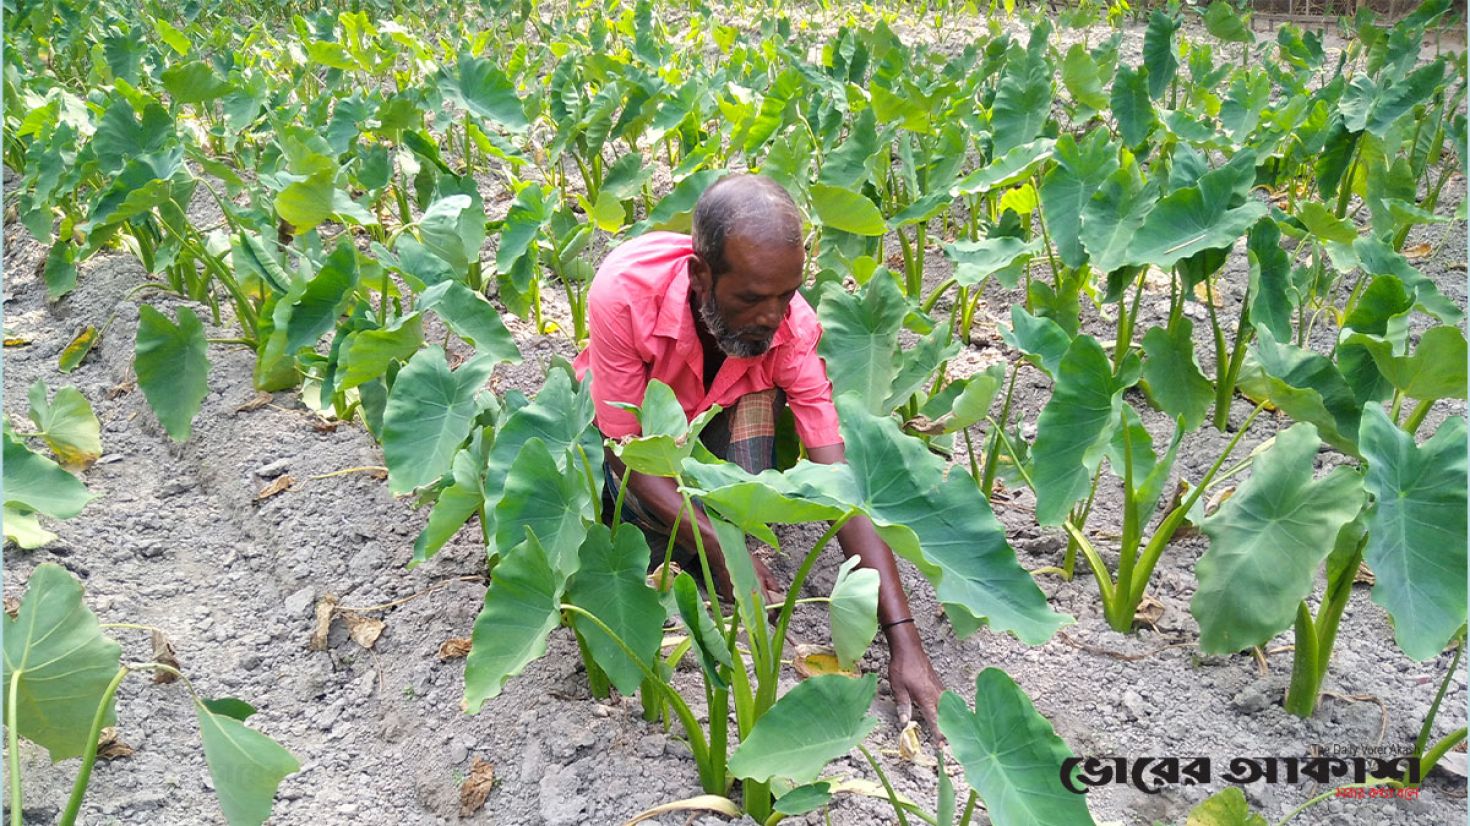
[753, 208]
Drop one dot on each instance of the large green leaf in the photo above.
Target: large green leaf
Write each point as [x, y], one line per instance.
[1171, 376]
[1011, 754]
[977, 260]
[1416, 529]
[674, 210]
[246, 766]
[453, 228]
[1081, 76]
[1304, 384]
[472, 318]
[306, 203]
[560, 417]
[531, 209]
[172, 367]
[484, 90]
[1271, 293]
[611, 584]
[1267, 541]
[522, 608]
[1132, 107]
[546, 499]
[819, 720]
[860, 338]
[847, 165]
[367, 353]
[853, 611]
[1068, 187]
[1039, 338]
[1197, 218]
[943, 525]
[67, 424]
[1074, 428]
[1112, 217]
[1436, 370]
[845, 210]
[33, 482]
[1023, 97]
[1006, 169]
[1222, 21]
[429, 413]
[193, 82]
[1158, 52]
[63, 660]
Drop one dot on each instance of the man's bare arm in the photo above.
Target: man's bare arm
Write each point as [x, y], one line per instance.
[910, 672]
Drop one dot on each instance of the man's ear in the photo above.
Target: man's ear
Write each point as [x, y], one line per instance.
[701, 278]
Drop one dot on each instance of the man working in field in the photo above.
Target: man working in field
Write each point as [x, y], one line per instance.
[716, 316]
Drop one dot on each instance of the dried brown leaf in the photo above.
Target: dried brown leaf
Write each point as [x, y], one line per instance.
[658, 573]
[326, 608]
[16, 341]
[476, 787]
[111, 747]
[1365, 575]
[280, 484]
[12, 606]
[1218, 499]
[163, 653]
[122, 388]
[454, 648]
[363, 630]
[908, 742]
[260, 400]
[1416, 251]
[925, 426]
[1149, 612]
[324, 426]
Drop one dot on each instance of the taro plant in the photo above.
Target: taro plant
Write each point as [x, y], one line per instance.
[1010, 755]
[33, 483]
[1403, 514]
[1086, 421]
[61, 678]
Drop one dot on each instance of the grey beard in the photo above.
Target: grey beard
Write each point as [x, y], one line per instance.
[730, 341]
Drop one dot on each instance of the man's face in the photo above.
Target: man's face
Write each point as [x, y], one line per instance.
[743, 306]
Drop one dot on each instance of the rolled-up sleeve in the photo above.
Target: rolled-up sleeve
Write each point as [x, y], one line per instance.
[619, 374]
[803, 375]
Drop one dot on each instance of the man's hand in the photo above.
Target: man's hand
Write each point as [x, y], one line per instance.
[912, 677]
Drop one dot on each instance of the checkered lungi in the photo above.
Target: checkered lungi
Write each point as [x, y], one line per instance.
[744, 434]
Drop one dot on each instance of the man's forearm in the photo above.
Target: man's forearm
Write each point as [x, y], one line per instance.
[660, 496]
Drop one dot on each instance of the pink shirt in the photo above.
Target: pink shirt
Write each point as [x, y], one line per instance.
[641, 327]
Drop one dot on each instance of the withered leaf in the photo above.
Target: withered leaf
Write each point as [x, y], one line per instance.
[925, 426]
[476, 787]
[1219, 499]
[908, 742]
[1416, 251]
[363, 630]
[454, 648]
[326, 608]
[816, 660]
[111, 747]
[667, 577]
[1149, 612]
[280, 484]
[163, 653]
[12, 606]
[260, 400]
[1364, 576]
[16, 341]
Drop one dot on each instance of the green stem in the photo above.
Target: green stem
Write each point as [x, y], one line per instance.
[1434, 754]
[887, 786]
[1127, 318]
[89, 755]
[766, 694]
[1416, 416]
[13, 743]
[1171, 523]
[1423, 738]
